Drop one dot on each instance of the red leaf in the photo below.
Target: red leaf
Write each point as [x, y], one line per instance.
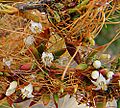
[26, 66]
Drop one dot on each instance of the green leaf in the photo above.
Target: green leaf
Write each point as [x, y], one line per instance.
[56, 16]
[1, 73]
[56, 98]
[35, 52]
[82, 66]
[118, 103]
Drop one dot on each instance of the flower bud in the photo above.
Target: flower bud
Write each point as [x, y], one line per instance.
[110, 74]
[95, 74]
[105, 56]
[97, 64]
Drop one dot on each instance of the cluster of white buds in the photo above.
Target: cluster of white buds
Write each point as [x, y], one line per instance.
[101, 82]
[35, 27]
[47, 58]
[27, 91]
[29, 40]
[11, 88]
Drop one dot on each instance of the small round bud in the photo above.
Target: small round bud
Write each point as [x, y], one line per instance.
[105, 56]
[95, 74]
[110, 74]
[97, 64]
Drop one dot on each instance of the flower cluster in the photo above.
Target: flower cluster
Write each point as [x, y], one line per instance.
[101, 82]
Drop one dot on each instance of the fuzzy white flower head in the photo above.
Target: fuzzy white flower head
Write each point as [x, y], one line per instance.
[11, 88]
[7, 61]
[29, 40]
[95, 74]
[101, 82]
[97, 64]
[110, 74]
[47, 58]
[27, 91]
[35, 27]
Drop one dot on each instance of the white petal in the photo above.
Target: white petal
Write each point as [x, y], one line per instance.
[101, 78]
[27, 91]
[11, 88]
[95, 83]
[13, 85]
[30, 96]
[9, 92]
[108, 81]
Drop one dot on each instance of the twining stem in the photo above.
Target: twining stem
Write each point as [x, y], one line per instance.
[63, 75]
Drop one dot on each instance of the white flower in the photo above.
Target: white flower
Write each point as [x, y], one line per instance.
[97, 64]
[110, 74]
[101, 82]
[35, 27]
[95, 74]
[47, 58]
[7, 61]
[27, 91]
[111, 104]
[11, 88]
[29, 40]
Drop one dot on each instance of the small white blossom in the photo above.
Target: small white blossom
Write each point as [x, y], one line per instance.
[11, 88]
[7, 61]
[29, 40]
[47, 58]
[101, 82]
[27, 91]
[95, 74]
[111, 104]
[110, 74]
[35, 27]
[97, 64]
